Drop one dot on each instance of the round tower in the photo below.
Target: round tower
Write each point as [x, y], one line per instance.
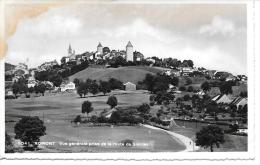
[129, 52]
[100, 48]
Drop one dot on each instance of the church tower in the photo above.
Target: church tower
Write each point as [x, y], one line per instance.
[69, 51]
[129, 52]
[100, 48]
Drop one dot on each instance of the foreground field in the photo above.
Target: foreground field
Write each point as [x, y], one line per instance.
[232, 143]
[57, 111]
[144, 139]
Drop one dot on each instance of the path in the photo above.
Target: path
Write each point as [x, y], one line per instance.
[189, 143]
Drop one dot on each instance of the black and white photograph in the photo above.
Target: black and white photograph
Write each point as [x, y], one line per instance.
[85, 77]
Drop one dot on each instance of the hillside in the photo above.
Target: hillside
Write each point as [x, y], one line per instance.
[124, 74]
[9, 66]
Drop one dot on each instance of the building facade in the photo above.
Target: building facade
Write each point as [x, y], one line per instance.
[100, 48]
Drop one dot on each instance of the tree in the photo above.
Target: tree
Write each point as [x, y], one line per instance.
[16, 88]
[144, 108]
[56, 79]
[164, 97]
[86, 107]
[186, 97]
[205, 86]
[243, 94]
[29, 130]
[209, 136]
[94, 88]
[212, 108]
[82, 89]
[115, 84]
[9, 147]
[40, 88]
[104, 87]
[226, 87]
[112, 101]
[76, 81]
[106, 50]
[233, 128]
[31, 89]
[188, 81]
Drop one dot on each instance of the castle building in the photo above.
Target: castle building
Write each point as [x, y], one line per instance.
[100, 48]
[129, 52]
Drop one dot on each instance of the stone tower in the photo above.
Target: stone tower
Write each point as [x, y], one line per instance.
[100, 48]
[129, 52]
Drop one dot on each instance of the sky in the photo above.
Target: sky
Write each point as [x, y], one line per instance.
[212, 35]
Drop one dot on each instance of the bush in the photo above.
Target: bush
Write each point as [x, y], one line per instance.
[77, 119]
[188, 81]
[102, 119]
[186, 97]
[190, 89]
[94, 119]
[144, 108]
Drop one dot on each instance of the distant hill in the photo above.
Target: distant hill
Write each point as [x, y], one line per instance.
[9, 66]
[124, 74]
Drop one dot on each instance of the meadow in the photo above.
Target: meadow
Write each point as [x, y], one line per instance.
[57, 112]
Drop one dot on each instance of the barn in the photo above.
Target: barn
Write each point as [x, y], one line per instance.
[130, 86]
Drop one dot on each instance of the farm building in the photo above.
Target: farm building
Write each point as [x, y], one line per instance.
[222, 99]
[69, 86]
[130, 86]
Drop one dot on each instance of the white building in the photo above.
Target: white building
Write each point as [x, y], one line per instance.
[69, 86]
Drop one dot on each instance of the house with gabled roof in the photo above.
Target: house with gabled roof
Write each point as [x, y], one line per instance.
[221, 98]
[239, 101]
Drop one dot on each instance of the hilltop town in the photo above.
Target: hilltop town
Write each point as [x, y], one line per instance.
[164, 93]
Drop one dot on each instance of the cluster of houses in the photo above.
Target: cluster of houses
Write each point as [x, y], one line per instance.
[102, 53]
[213, 74]
[225, 99]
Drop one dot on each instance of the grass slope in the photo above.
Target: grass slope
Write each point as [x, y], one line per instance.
[124, 74]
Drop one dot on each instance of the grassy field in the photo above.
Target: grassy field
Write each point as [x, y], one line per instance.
[57, 111]
[133, 74]
[147, 139]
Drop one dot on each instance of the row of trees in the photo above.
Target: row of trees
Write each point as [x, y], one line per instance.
[21, 87]
[225, 87]
[57, 73]
[49, 75]
[86, 106]
[94, 87]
